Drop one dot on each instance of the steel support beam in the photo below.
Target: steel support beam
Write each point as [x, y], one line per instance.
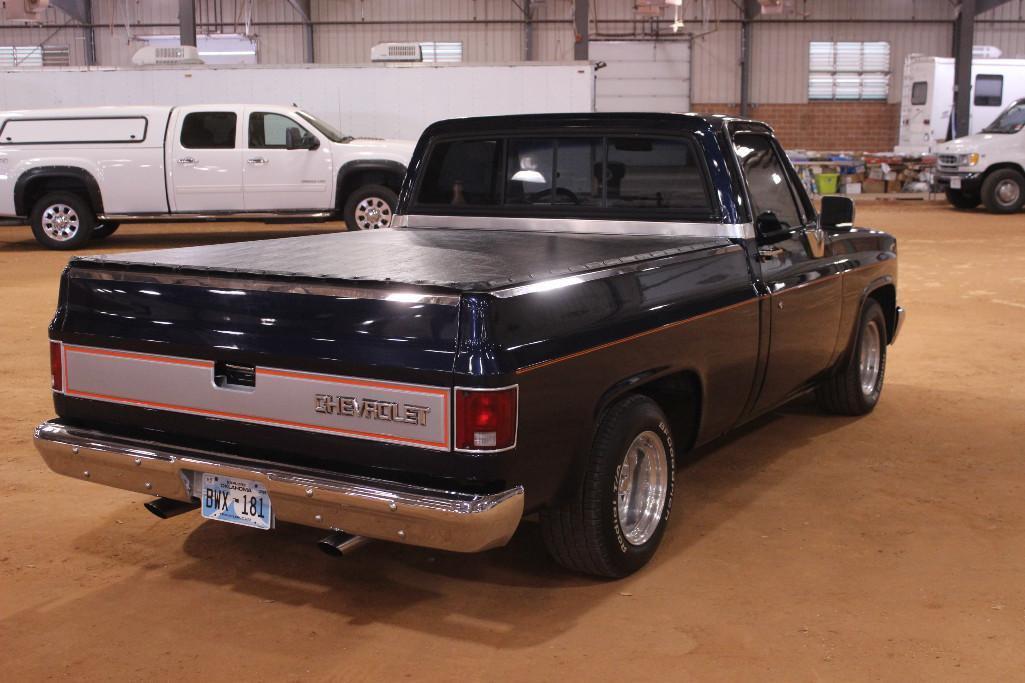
[581, 29]
[528, 31]
[964, 41]
[187, 22]
[751, 10]
[305, 12]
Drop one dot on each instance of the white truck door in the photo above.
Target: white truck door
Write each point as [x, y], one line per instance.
[205, 164]
[277, 178]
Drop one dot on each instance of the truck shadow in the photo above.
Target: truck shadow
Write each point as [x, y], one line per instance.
[511, 597]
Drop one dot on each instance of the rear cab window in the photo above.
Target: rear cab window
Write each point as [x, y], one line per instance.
[592, 174]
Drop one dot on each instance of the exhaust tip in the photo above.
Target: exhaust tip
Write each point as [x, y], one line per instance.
[340, 543]
[165, 508]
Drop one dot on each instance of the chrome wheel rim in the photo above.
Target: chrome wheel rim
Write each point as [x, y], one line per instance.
[60, 222]
[642, 484]
[1008, 192]
[373, 213]
[871, 357]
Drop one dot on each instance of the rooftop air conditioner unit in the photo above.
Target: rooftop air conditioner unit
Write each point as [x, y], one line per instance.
[396, 52]
[23, 10]
[152, 55]
[986, 52]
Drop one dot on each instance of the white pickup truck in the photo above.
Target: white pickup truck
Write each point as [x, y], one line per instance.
[77, 174]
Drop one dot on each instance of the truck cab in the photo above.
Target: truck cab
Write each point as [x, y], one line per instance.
[989, 167]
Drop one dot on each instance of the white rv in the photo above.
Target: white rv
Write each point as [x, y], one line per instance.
[927, 100]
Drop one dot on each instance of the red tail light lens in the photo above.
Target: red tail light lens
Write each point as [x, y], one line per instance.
[486, 419]
[56, 367]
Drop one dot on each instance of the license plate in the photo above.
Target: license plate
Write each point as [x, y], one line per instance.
[955, 183]
[236, 501]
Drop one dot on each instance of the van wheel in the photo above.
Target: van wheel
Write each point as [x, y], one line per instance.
[371, 207]
[62, 220]
[959, 200]
[614, 522]
[855, 389]
[104, 230]
[1003, 191]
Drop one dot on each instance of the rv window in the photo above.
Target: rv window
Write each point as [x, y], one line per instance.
[989, 90]
[919, 92]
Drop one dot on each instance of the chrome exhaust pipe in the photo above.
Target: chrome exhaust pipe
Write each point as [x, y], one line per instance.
[339, 543]
[165, 508]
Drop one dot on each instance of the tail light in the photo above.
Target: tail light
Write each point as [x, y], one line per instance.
[56, 367]
[486, 419]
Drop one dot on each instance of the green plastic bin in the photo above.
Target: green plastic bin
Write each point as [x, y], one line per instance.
[827, 182]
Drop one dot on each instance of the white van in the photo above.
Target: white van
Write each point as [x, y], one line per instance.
[987, 168]
[927, 100]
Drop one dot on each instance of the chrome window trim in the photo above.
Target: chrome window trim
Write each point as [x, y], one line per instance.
[455, 419]
[577, 225]
[406, 295]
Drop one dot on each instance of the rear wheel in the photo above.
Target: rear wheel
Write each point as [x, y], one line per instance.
[104, 230]
[371, 207]
[960, 200]
[614, 522]
[1003, 191]
[855, 389]
[62, 220]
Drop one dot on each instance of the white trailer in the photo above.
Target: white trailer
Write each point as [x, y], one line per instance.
[927, 100]
[390, 101]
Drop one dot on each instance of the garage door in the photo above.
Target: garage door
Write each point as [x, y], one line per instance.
[642, 75]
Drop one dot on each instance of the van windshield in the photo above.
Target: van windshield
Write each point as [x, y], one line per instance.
[1011, 120]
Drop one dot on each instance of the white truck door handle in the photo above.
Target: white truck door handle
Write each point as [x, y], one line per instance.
[256, 161]
[186, 161]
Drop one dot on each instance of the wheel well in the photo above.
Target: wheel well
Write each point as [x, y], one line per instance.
[352, 181]
[886, 296]
[1002, 165]
[679, 396]
[37, 187]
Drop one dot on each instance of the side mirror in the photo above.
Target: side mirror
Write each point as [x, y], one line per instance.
[297, 139]
[837, 212]
[768, 227]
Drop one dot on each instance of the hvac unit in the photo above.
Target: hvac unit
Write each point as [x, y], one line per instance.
[986, 52]
[23, 10]
[152, 55]
[396, 52]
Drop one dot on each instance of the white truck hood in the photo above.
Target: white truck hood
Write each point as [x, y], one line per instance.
[397, 150]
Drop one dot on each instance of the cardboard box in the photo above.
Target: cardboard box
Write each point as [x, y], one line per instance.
[873, 186]
[852, 188]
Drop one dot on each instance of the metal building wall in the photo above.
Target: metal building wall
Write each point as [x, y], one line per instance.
[492, 31]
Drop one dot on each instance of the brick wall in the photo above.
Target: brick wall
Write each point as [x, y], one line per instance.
[825, 126]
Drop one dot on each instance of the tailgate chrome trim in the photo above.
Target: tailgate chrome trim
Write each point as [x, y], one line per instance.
[407, 295]
[390, 511]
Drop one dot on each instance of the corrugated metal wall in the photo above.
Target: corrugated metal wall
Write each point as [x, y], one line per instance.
[492, 31]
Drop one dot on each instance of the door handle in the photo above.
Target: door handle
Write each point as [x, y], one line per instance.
[256, 161]
[767, 253]
[186, 160]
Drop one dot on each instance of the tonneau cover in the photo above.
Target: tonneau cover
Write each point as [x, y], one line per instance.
[461, 260]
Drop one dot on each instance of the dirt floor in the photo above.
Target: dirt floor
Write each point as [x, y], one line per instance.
[804, 547]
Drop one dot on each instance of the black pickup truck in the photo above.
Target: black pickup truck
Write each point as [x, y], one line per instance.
[568, 303]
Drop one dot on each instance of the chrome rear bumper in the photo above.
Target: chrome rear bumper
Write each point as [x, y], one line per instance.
[373, 508]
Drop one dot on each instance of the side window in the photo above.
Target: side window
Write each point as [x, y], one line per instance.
[919, 92]
[209, 130]
[654, 173]
[463, 173]
[766, 178]
[989, 90]
[267, 131]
